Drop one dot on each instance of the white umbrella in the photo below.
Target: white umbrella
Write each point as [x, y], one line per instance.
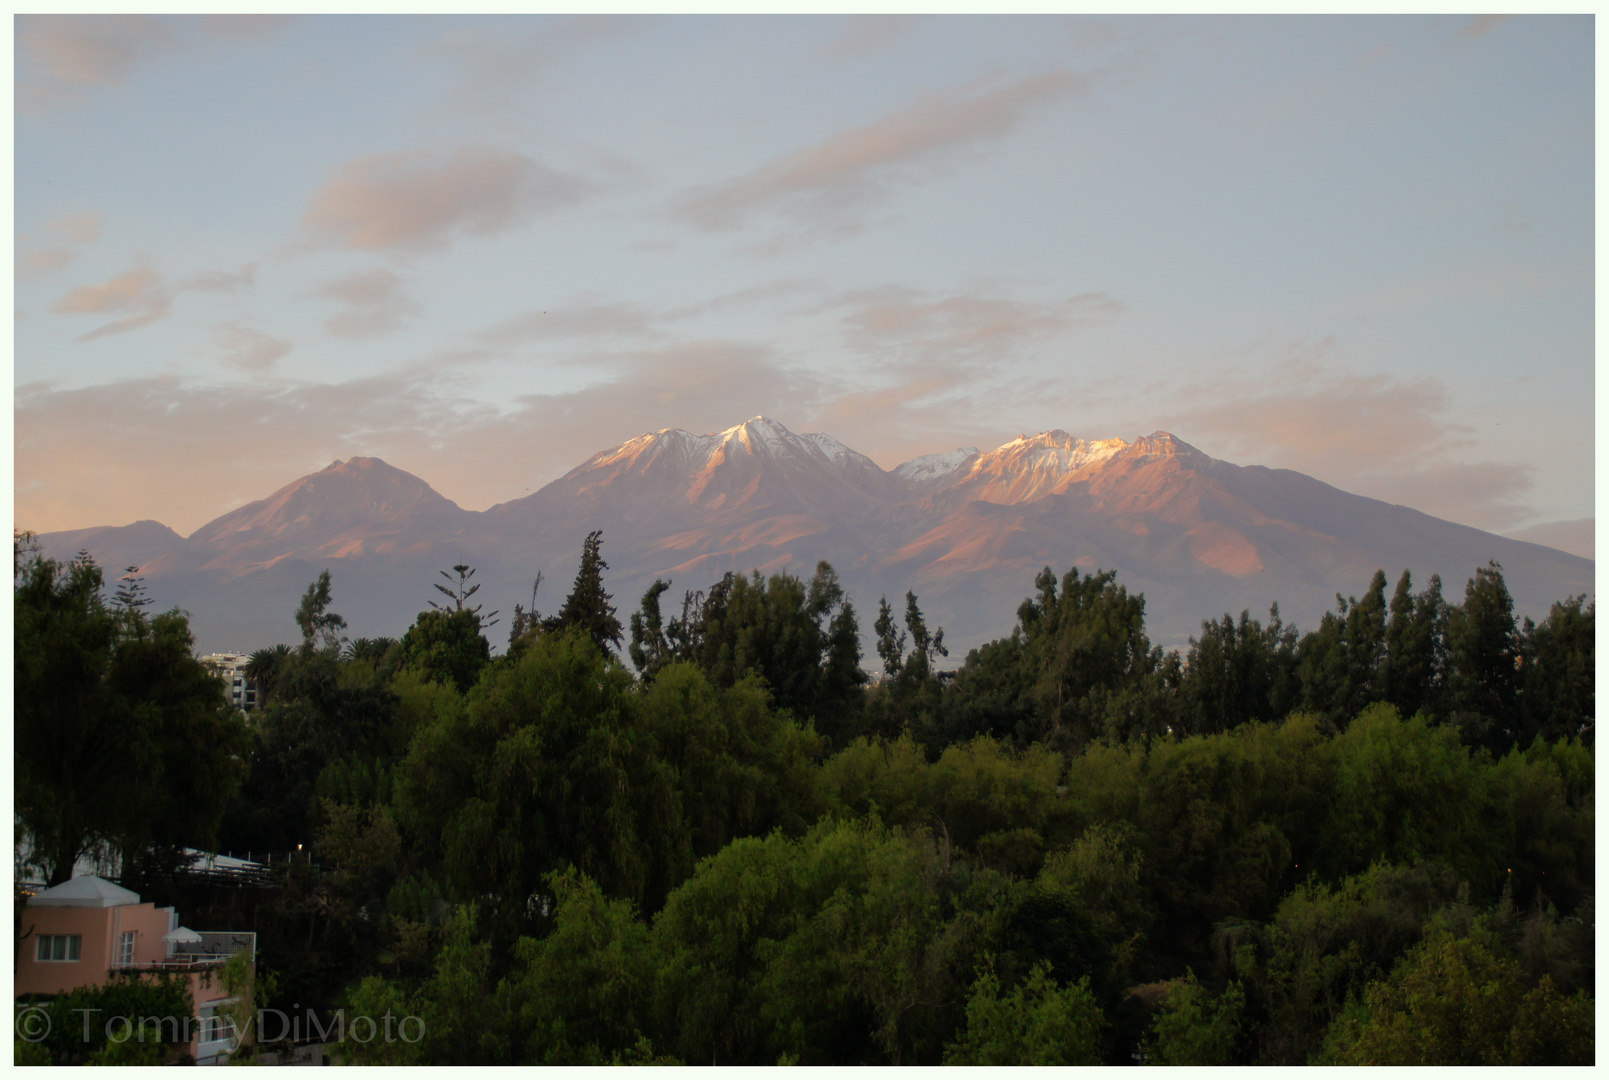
[181, 935]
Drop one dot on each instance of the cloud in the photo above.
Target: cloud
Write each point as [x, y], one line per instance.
[586, 317]
[896, 321]
[1578, 537]
[422, 199]
[61, 58]
[183, 453]
[495, 68]
[865, 34]
[828, 181]
[247, 348]
[1374, 434]
[1480, 26]
[223, 280]
[138, 294]
[83, 227]
[33, 265]
[374, 301]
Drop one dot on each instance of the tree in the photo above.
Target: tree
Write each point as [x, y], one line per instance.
[650, 648]
[1557, 683]
[588, 605]
[320, 627]
[1413, 673]
[1456, 1000]
[1038, 1023]
[264, 669]
[1087, 657]
[1484, 654]
[460, 591]
[1196, 1026]
[1237, 673]
[122, 736]
[1339, 663]
[447, 646]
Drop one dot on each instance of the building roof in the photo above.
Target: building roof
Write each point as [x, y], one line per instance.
[86, 891]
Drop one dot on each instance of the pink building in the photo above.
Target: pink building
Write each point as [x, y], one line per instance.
[82, 931]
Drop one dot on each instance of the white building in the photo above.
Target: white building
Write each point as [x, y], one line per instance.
[231, 667]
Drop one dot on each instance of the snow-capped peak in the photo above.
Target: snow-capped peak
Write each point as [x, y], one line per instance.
[933, 467]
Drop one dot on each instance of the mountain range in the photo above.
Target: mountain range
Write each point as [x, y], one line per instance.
[966, 530]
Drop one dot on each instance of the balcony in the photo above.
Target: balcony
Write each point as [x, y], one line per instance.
[213, 948]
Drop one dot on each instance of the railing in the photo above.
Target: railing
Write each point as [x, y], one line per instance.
[215, 947]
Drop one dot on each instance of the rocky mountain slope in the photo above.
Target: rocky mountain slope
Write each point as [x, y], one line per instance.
[966, 530]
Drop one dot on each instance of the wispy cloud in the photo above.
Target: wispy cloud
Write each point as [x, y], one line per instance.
[83, 227]
[827, 182]
[138, 295]
[422, 199]
[248, 348]
[223, 280]
[374, 302]
[863, 35]
[42, 262]
[1387, 437]
[62, 58]
[495, 69]
[1577, 536]
[1481, 25]
[79, 229]
[901, 322]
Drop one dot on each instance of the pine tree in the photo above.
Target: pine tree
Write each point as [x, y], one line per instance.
[588, 605]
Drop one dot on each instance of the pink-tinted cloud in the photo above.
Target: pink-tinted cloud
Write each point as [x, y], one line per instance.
[898, 322]
[422, 199]
[1377, 435]
[863, 35]
[1578, 537]
[138, 295]
[496, 69]
[223, 280]
[826, 181]
[374, 304]
[247, 348]
[83, 227]
[42, 262]
[60, 58]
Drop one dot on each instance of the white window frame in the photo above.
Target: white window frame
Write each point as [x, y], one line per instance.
[69, 945]
[125, 949]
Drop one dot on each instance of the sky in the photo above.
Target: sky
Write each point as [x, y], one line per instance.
[486, 248]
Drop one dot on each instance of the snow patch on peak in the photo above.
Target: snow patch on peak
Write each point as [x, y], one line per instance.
[932, 467]
[835, 451]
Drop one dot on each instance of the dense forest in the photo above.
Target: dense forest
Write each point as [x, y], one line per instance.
[1368, 843]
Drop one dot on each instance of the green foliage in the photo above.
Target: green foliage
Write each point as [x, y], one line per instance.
[1484, 647]
[802, 639]
[1196, 1026]
[588, 607]
[447, 647]
[1237, 673]
[83, 1028]
[321, 628]
[121, 734]
[585, 991]
[1557, 699]
[1038, 1023]
[1456, 1000]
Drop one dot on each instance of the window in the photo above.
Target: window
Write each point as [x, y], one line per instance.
[54, 947]
[125, 949]
[216, 1025]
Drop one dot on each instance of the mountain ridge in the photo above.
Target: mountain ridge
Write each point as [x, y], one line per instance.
[966, 529]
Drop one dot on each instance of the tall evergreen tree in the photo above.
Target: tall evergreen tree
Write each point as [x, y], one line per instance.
[588, 605]
[1484, 646]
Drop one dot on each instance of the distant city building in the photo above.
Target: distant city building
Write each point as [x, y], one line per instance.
[231, 667]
